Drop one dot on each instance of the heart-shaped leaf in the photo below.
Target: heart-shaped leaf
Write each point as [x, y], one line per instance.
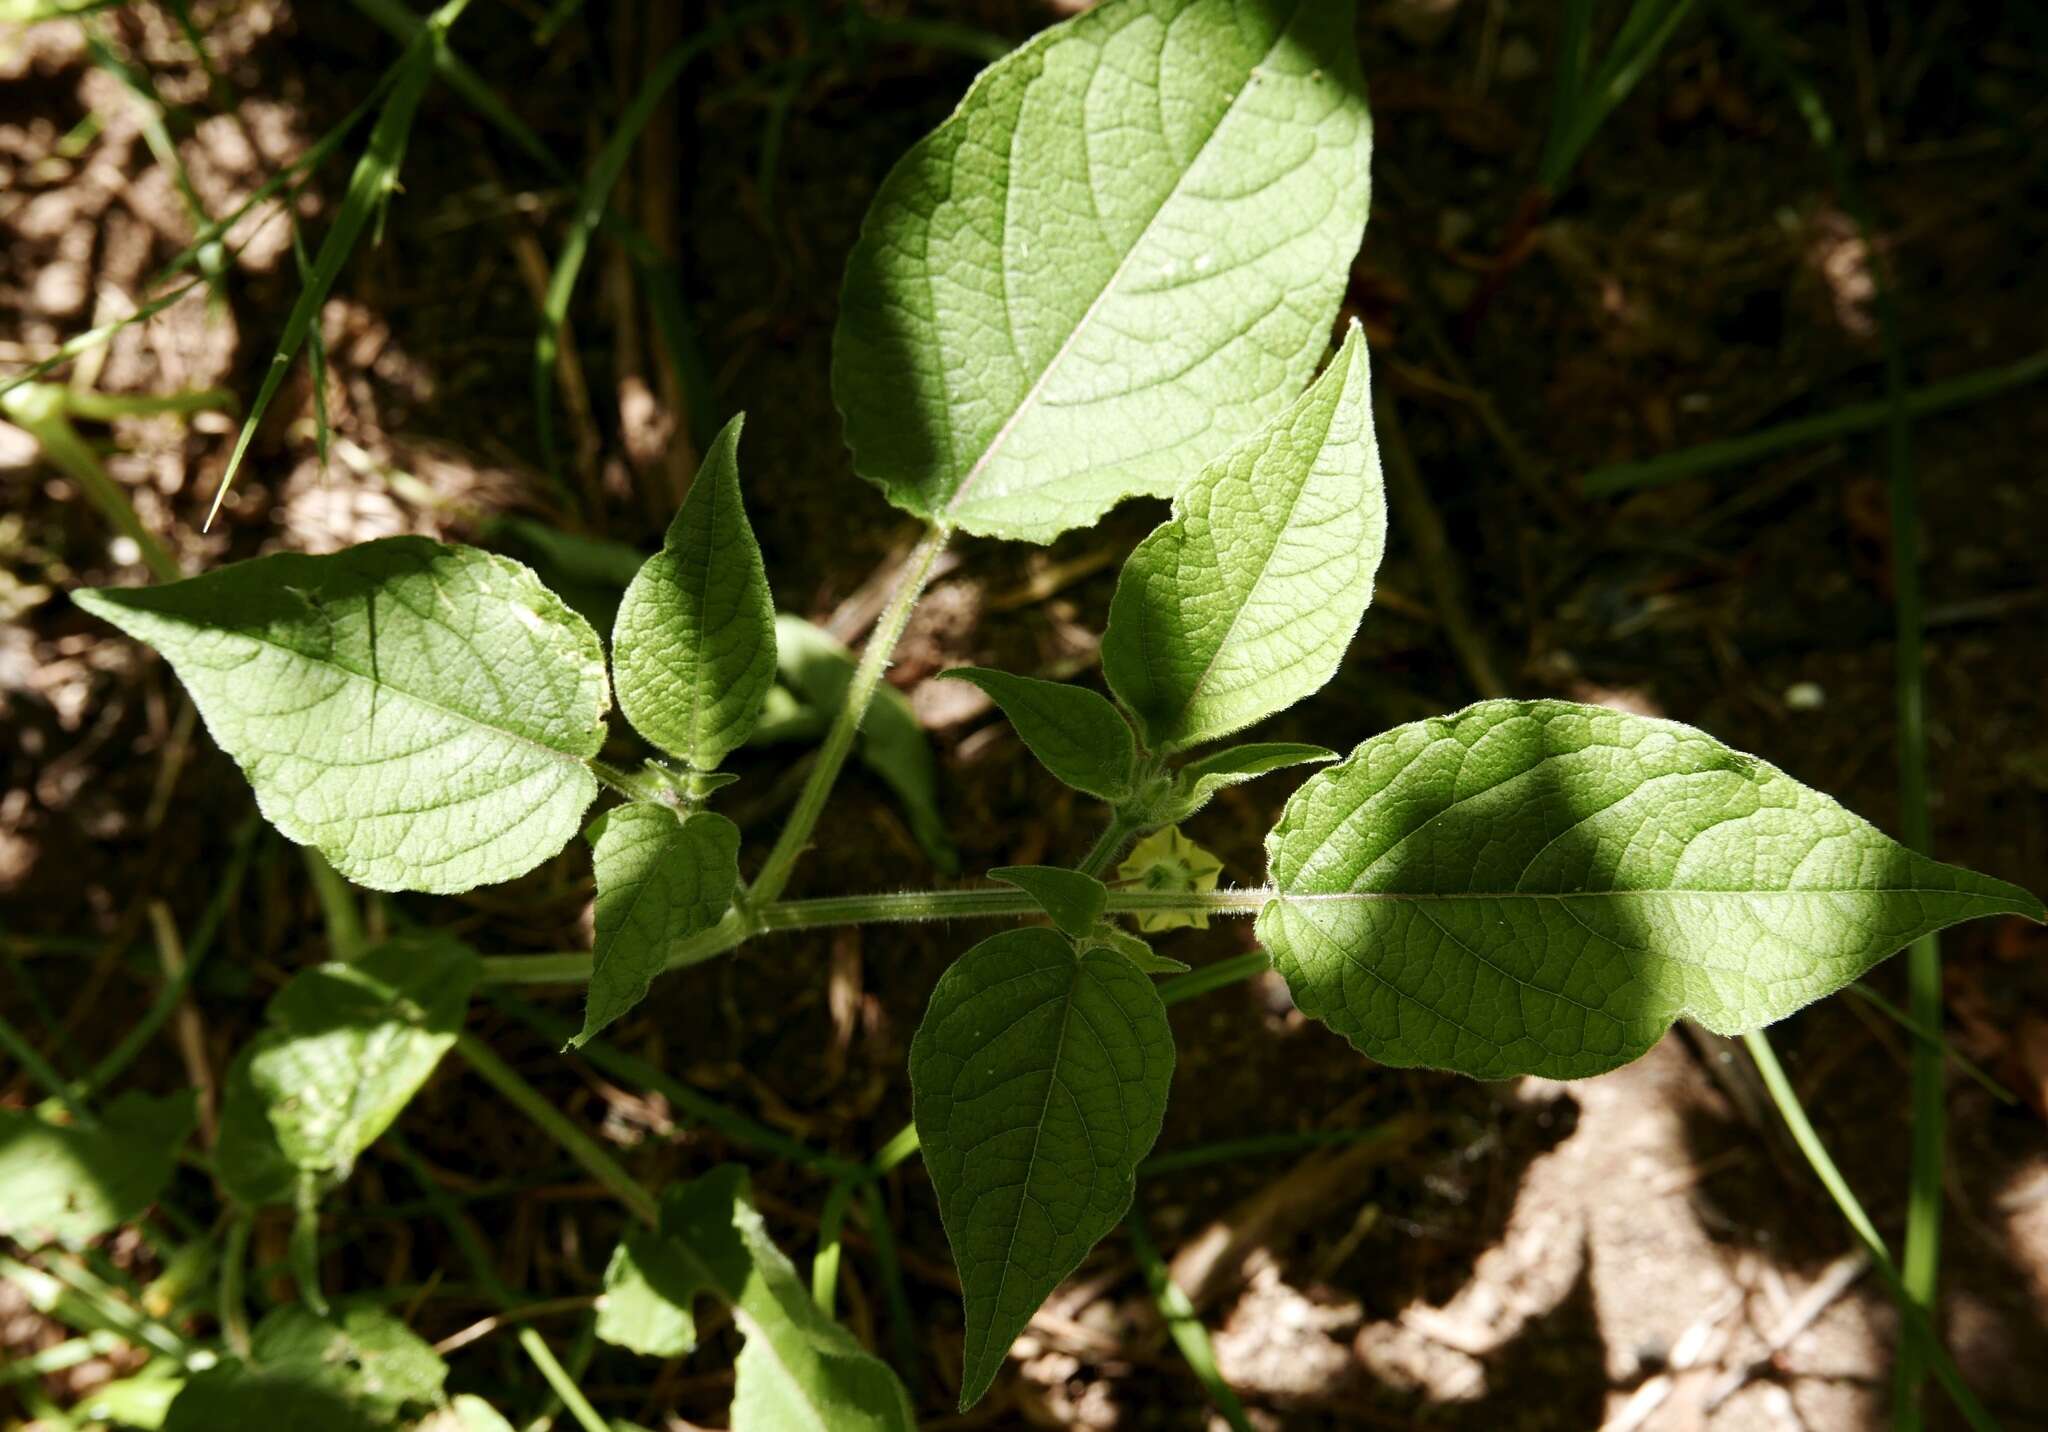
[422, 714]
[1038, 1081]
[1542, 888]
[1122, 253]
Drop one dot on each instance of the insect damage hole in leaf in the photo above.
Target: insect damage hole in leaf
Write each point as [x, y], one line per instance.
[1038, 1081]
[421, 714]
[1543, 888]
[1122, 253]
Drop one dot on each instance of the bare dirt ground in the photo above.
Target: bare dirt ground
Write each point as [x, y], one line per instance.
[1643, 1250]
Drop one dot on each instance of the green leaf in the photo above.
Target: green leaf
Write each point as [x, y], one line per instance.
[421, 714]
[386, 1364]
[693, 652]
[799, 1369]
[472, 1414]
[1073, 900]
[1122, 253]
[1142, 956]
[662, 876]
[1542, 888]
[353, 1373]
[345, 1048]
[1196, 783]
[1244, 601]
[1075, 733]
[1038, 1081]
[302, 1398]
[64, 1183]
[817, 670]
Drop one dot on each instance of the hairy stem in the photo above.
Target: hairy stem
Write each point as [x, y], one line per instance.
[1108, 846]
[860, 693]
[903, 907]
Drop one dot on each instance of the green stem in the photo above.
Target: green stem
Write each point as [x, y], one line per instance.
[904, 907]
[1108, 846]
[860, 692]
[1917, 1325]
[338, 908]
[234, 1266]
[825, 1264]
[1752, 448]
[305, 1242]
[1183, 1323]
[559, 1381]
[556, 1125]
[34, 408]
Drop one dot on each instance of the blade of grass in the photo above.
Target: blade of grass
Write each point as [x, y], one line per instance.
[375, 174]
[1955, 1056]
[737, 1127]
[591, 203]
[39, 410]
[316, 355]
[902, 1322]
[1806, 432]
[1183, 1323]
[825, 1263]
[1641, 39]
[564, 1386]
[1803, 1134]
[557, 1126]
[1920, 1262]
[1267, 1146]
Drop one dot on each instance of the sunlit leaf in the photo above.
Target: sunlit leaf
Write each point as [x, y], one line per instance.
[67, 1183]
[1542, 888]
[1075, 733]
[422, 714]
[1122, 253]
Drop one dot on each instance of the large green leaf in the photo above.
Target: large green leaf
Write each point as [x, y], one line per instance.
[1038, 1081]
[693, 651]
[1075, 733]
[70, 1183]
[1122, 253]
[1542, 888]
[662, 876]
[345, 1049]
[1245, 600]
[799, 1369]
[422, 714]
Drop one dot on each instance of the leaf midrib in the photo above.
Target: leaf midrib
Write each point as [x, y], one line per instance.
[1031, 396]
[567, 758]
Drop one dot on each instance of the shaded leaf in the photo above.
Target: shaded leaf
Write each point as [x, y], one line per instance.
[345, 1048]
[1542, 888]
[1142, 956]
[65, 1183]
[387, 1365]
[693, 651]
[1244, 601]
[1038, 1081]
[662, 876]
[421, 714]
[1120, 254]
[1073, 901]
[799, 1369]
[1075, 733]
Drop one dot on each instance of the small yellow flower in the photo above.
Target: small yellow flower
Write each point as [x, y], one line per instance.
[1168, 860]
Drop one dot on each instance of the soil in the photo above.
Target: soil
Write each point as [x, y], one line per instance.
[1527, 1255]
